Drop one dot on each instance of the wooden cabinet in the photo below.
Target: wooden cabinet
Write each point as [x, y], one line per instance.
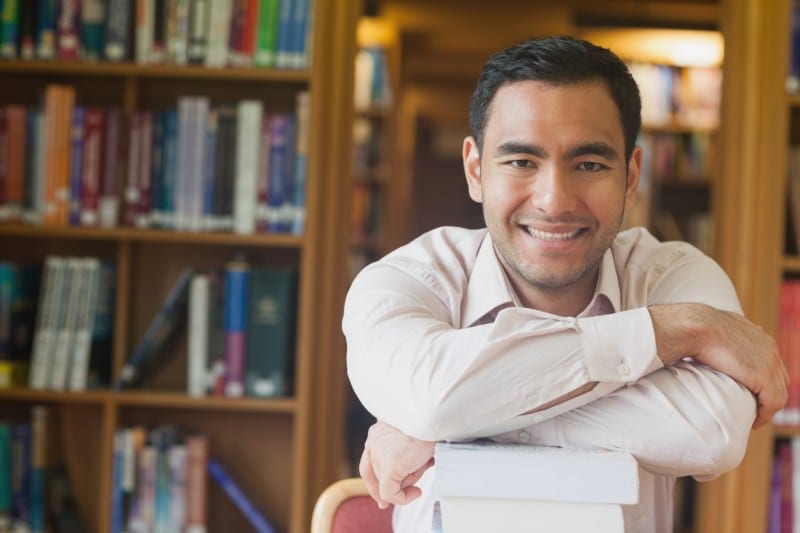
[281, 451]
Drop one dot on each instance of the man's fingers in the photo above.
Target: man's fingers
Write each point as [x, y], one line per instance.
[367, 473]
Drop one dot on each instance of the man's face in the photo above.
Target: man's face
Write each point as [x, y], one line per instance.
[553, 182]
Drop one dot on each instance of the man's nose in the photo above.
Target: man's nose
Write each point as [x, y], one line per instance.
[553, 192]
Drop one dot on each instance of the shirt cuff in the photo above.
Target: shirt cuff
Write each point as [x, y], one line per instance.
[619, 347]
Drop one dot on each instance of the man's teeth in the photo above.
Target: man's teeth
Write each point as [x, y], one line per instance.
[547, 236]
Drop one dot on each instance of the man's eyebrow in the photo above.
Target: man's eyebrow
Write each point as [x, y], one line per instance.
[513, 147]
[595, 148]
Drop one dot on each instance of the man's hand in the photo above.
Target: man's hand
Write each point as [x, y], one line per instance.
[728, 343]
[392, 463]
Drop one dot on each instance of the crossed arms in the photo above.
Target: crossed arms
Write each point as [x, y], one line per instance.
[566, 381]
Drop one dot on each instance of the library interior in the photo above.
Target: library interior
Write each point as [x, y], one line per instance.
[137, 394]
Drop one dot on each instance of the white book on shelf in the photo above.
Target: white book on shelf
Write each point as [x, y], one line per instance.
[197, 343]
[248, 133]
[218, 33]
[487, 486]
[44, 331]
[81, 353]
[66, 320]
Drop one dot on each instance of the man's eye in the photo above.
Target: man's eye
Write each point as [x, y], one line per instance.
[520, 163]
[590, 166]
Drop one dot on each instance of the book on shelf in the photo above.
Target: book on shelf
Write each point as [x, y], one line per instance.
[489, 486]
[156, 484]
[237, 279]
[239, 498]
[71, 341]
[157, 338]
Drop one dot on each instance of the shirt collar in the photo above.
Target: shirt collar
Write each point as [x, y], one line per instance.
[488, 288]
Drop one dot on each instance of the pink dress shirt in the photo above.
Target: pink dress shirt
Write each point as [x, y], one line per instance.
[438, 346]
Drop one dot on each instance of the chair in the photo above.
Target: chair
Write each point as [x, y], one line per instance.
[346, 507]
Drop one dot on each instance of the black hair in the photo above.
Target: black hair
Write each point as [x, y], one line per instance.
[558, 60]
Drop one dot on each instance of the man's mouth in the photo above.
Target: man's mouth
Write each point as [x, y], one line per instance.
[552, 235]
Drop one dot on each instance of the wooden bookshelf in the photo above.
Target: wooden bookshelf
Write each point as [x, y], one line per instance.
[272, 447]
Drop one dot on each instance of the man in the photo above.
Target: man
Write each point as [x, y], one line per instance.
[549, 326]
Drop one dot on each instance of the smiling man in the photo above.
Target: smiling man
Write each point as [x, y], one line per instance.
[551, 326]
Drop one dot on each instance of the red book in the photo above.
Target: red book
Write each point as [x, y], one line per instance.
[94, 119]
[3, 155]
[196, 482]
[144, 206]
[68, 29]
[110, 177]
[17, 117]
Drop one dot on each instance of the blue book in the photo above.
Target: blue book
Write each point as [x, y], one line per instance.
[300, 17]
[283, 58]
[8, 282]
[76, 165]
[237, 276]
[20, 473]
[5, 474]
[159, 333]
[116, 517]
[9, 28]
[281, 153]
[170, 158]
[239, 498]
[157, 172]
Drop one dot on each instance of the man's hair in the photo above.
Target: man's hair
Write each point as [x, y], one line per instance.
[558, 61]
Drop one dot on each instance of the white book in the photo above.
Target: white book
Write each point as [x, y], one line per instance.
[145, 20]
[66, 320]
[248, 133]
[197, 343]
[81, 353]
[44, 332]
[218, 33]
[488, 486]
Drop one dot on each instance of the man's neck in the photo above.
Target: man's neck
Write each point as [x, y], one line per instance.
[564, 301]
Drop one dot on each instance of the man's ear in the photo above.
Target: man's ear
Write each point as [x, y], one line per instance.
[472, 169]
[632, 183]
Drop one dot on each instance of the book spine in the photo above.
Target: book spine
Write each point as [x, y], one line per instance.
[267, 34]
[297, 46]
[218, 33]
[236, 306]
[43, 339]
[270, 332]
[198, 31]
[262, 179]
[177, 459]
[132, 186]
[27, 30]
[157, 171]
[9, 28]
[93, 14]
[46, 29]
[68, 303]
[145, 182]
[170, 170]
[5, 475]
[239, 498]
[115, 515]
[145, 21]
[20, 473]
[8, 282]
[195, 179]
[117, 47]
[177, 35]
[225, 171]
[209, 169]
[68, 30]
[158, 331]
[249, 117]
[15, 184]
[38, 468]
[109, 182]
[301, 162]
[280, 155]
[89, 195]
[197, 350]
[78, 134]
[196, 483]
[79, 370]
[4, 155]
[284, 58]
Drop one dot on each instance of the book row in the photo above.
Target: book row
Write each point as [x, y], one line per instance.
[671, 157]
[789, 346]
[71, 344]
[160, 482]
[218, 33]
[193, 167]
[239, 325]
[784, 496]
[670, 95]
[23, 450]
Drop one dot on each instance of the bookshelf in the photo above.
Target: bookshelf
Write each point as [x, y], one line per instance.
[272, 447]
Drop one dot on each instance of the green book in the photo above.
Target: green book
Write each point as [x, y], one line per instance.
[267, 33]
[269, 367]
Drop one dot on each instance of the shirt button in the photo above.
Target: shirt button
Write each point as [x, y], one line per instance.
[524, 436]
[623, 369]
